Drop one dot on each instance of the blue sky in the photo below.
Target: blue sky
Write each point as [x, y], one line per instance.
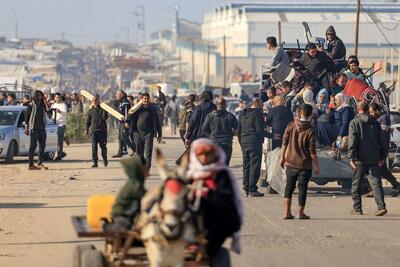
[87, 21]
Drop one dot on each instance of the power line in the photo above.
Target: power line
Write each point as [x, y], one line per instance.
[378, 24]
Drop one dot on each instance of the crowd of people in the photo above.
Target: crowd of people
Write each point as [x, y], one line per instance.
[298, 117]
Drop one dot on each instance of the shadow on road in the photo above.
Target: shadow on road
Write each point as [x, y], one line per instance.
[51, 242]
[36, 206]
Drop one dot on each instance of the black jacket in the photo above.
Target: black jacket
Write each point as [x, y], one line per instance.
[365, 140]
[197, 119]
[320, 65]
[149, 116]
[123, 108]
[251, 126]
[336, 49]
[96, 120]
[278, 118]
[219, 125]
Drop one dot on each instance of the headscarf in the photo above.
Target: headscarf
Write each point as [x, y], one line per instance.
[344, 99]
[199, 171]
[324, 104]
[308, 97]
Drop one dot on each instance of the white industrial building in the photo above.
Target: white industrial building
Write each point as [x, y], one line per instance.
[246, 26]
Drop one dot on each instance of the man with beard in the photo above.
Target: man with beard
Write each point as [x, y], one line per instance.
[146, 125]
[35, 126]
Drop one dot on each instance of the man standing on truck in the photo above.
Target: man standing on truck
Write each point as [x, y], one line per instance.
[319, 64]
[336, 49]
[278, 54]
[35, 126]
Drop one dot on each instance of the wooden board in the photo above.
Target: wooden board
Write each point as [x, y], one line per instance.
[135, 107]
[104, 106]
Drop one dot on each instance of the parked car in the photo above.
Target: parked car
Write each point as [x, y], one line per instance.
[14, 142]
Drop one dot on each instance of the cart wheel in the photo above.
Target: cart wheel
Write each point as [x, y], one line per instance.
[222, 259]
[78, 253]
[93, 258]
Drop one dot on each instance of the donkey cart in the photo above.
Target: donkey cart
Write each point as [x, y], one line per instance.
[122, 249]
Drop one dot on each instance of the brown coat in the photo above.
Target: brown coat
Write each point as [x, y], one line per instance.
[299, 138]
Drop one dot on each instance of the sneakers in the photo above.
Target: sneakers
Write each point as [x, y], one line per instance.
[246, 193]
[60, 157]
[256, 194]
[105, 162]
[356, 212]
[380, 212]
[42, 167]
[95, 165]
[33, 168]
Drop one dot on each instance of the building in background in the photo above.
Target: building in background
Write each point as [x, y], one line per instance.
[246, 26]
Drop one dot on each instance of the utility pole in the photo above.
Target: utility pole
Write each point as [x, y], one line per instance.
[141, 21]
[357, 26]
[208, 64]
[193, 82]
[224, 61]
[279, 32]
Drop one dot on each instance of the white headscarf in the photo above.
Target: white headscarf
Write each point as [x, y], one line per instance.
[200, 171]
[344, 99]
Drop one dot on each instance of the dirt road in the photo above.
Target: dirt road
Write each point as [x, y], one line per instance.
[35, 210]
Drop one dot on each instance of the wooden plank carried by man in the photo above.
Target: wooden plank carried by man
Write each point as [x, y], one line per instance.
[104, 106]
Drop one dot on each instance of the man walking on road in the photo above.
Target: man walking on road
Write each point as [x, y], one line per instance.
[146, 125]
[198, 117]
[35, 126]
[384, 120]
[162, 101]
[366, 154]
[123, 129]
[60, 118]
[251, 137]
[221, 125]
[96, 125]
[172, 112]
[299, 156]
[184, 117]
[76, 105]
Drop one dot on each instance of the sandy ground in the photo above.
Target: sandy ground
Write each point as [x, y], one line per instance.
[35, 211]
